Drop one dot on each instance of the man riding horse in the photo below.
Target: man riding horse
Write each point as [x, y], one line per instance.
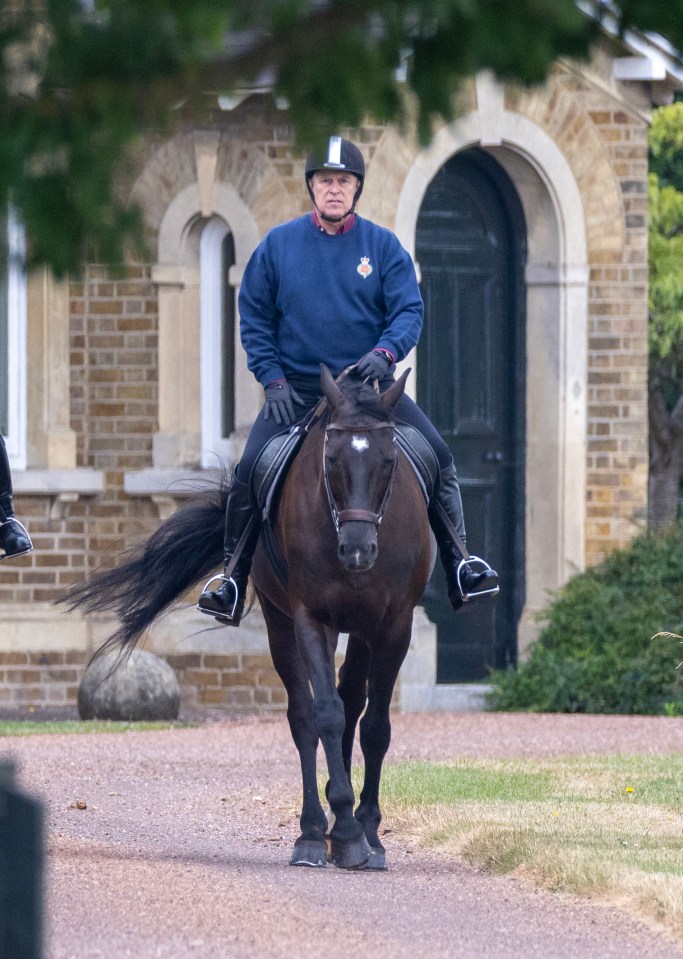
[330, 287]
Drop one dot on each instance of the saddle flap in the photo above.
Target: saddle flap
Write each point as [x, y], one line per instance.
[270, 467]
[421, 457]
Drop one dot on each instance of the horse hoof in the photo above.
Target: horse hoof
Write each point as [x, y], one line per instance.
[350, 855]
[377, 860]
[309, 853]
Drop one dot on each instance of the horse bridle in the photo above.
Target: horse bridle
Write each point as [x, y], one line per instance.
[340, 516]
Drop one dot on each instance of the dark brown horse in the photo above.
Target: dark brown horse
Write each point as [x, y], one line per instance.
[352, 527]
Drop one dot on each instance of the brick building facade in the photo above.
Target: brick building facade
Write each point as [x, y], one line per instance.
[123, 387]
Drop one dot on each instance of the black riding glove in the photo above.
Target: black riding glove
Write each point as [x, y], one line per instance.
[373, 365]
[280, 400]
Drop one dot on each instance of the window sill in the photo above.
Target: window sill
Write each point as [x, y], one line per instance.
[174, 483]
[36, 482]
[165, 487]
[61, 486]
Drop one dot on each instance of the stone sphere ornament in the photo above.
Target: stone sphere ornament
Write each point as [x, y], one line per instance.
[134, 687]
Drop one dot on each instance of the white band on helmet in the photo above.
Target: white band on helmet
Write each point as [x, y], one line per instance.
[334, 151]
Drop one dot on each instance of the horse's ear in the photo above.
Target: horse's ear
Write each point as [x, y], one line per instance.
[391, 396]
[330, 388]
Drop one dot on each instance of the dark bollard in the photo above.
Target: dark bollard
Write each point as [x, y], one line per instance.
[21, 871]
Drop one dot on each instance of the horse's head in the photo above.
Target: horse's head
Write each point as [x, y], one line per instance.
[359, 463]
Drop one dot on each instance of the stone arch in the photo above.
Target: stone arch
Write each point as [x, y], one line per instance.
[181, 225]
[203, 158]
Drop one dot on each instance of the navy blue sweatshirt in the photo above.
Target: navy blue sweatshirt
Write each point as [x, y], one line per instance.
[308, 297]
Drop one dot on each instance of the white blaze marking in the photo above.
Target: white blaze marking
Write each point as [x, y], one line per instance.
[360, 443]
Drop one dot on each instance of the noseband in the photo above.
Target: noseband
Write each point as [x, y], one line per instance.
[340, 516]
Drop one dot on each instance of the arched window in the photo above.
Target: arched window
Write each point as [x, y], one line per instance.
[204, 392]
[13, 341]
[217, 324]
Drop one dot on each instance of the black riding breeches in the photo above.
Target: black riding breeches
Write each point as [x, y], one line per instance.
[405, 411]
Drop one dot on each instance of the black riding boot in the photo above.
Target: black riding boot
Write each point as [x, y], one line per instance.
[14, 540]
[242, 527]
[465, 578]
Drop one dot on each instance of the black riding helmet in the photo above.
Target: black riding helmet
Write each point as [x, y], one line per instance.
[337, 154]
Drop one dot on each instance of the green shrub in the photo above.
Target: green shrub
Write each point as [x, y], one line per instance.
[598, 651]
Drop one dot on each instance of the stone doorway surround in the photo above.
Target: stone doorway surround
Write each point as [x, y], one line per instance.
[556, 315]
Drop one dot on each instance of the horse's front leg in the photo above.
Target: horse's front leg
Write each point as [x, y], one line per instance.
[310, 849]
[317, 644]
[387, 655]
[353, 689]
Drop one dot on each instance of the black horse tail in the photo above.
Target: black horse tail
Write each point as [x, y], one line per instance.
[186, 548]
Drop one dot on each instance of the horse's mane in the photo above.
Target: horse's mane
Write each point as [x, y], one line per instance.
[364, 399]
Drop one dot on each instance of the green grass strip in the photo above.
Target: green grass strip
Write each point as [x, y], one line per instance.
[605, 827]
[30, 727]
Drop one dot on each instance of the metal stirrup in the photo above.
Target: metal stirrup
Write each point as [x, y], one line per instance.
[223, 579]
[467, 563]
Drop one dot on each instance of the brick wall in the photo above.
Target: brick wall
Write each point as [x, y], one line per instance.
[617, 352]
[40, 679]
[114, 398]
[113, 368]
[240, 681]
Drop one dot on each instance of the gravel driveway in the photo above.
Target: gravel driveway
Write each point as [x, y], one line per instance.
[182, 849]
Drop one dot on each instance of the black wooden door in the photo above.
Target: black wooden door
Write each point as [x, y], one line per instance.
[470, 247]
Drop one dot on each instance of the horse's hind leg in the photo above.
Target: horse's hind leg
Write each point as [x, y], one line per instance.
[310, 849]
[375, 731]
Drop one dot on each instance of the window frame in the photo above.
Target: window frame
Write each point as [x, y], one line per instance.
[17, 327]
[212, 290]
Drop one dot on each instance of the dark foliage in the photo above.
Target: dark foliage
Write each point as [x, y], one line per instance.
[598, 651]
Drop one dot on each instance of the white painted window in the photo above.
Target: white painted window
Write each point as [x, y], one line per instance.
[13, 341]
[217, 349]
